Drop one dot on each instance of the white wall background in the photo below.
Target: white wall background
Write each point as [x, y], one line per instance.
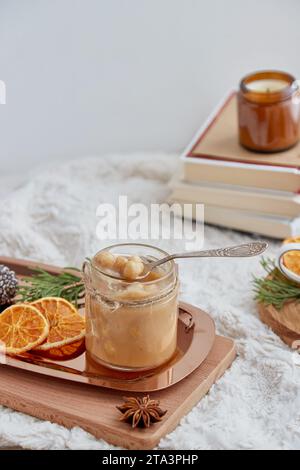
[95, 76]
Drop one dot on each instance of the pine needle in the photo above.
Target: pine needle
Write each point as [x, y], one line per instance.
[43, 284]
[274, 289]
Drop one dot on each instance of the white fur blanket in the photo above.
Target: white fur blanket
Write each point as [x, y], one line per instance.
[51, 217]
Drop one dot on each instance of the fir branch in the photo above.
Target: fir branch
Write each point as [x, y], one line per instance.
[274, 289]
[43, 284]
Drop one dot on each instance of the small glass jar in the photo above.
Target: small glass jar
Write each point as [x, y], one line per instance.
[269, 111]
[131, 325]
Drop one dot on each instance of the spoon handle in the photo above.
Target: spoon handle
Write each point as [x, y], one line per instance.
[239, 251]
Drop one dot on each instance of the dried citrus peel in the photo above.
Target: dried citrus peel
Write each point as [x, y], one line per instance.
[22, 328]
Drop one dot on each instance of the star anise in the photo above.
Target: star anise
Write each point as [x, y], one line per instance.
[141, 411]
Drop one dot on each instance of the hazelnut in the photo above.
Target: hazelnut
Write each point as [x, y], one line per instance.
[106, 259]
[120, 263]
[133, 270]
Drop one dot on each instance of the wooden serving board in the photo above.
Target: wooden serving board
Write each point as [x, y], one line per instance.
[284, 322]
[72, 404]
[94, 409]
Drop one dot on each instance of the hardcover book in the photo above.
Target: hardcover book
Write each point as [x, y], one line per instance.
[246, 221]
[238, 197]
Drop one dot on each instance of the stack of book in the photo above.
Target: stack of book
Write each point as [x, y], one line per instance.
[247, 191]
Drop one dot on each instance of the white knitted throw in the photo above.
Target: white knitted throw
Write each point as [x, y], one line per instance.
[52, 218]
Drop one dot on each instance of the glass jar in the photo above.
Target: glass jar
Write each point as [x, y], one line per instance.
[131, 325]
[269, 111]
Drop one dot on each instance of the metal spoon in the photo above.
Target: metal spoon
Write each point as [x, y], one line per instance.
[239, 251]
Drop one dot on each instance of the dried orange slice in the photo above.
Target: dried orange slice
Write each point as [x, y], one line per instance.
[66, 323]
[292, 259]
[22, 327]
[64, 353]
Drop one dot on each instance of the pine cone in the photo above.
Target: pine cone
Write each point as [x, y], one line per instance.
[8, 285]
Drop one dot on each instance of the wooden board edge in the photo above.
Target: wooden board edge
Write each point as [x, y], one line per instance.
[287, 335]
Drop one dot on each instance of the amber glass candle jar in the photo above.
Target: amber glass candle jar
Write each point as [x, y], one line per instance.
[269, 111]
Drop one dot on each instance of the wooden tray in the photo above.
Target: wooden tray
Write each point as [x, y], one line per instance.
[94, 409]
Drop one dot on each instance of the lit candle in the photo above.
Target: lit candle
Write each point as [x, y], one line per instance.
[269, 111]
[267, 85]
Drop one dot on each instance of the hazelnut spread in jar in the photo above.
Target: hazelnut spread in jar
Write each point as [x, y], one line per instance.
[131, 323]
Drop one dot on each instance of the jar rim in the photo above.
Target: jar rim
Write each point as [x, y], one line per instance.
[271, 96]
[122, 245]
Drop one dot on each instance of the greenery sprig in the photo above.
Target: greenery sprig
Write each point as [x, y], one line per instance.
[43, 284]
[274, 288]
